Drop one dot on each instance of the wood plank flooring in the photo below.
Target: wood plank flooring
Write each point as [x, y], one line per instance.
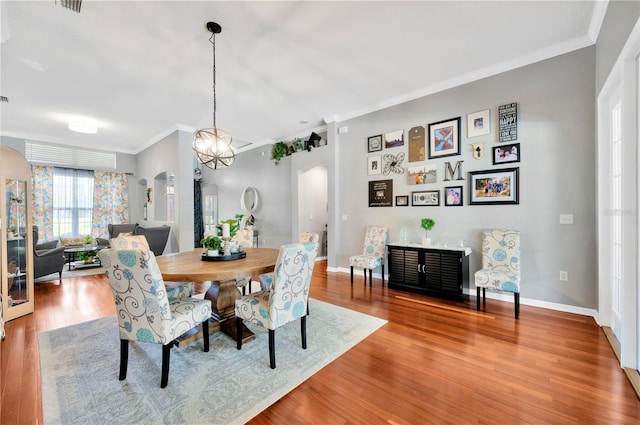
[434, 362]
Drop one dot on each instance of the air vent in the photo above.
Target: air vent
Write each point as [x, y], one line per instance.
[4, 99]
[73, 5]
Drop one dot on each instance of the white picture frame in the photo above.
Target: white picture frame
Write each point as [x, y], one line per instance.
[479, 123]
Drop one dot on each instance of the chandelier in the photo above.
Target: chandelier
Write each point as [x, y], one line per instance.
[212, 146]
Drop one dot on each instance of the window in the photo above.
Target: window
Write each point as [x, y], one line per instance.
[72, 201]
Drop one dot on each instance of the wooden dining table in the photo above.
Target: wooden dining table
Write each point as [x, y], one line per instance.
[223, 292]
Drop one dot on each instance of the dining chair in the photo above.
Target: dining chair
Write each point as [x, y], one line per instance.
[500, 265]
[375, 244]
[143, 309]
[285, 301]
[175, 290]
[309, 237]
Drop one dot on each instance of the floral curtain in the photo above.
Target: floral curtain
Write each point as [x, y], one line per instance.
[110, 201]
[42, 200]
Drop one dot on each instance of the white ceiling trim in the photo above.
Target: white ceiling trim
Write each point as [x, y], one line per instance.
[597, 18]
[537, 56]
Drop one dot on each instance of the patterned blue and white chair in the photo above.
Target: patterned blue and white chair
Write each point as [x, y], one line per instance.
[267, 278]
[375, 245]
[500, 265]
[287, 298]
[143, 309]
[175, 290]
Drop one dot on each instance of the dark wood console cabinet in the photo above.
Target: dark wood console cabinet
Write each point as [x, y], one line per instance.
[429, 270]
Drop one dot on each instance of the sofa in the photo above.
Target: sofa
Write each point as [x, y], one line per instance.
[157, 236]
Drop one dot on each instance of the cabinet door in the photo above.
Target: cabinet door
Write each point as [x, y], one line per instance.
[432, 270]
[451, 278]
[412, 274]
[396, 265]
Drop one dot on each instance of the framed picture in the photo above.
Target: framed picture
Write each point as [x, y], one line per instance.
[504, 154]
[488, 187]
[453, 196]
[374, 165]
[381, 193]
[425, 198]
[422, 174]
[394, 139]
[375, 143]
[478, 124]
[402, 201]
[444, 138]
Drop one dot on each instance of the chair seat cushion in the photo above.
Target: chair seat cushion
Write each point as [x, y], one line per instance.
[503, 281]
[187, 314]
[365, 261]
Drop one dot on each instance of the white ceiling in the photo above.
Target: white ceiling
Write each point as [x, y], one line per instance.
[142, 69]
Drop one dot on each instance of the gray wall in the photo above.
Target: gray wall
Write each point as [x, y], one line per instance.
[556, 132]
[619, 20]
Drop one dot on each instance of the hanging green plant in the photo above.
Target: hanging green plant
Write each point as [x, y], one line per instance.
[279, 151]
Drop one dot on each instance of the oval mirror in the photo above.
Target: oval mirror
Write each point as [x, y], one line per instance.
[249, 199]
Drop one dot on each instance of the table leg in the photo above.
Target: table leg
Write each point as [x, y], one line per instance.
[223, 297]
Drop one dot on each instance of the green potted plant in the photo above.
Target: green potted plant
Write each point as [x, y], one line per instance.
[88, 242]
[87, 256]
[427, 224]
[279, 151]
[297, 145]
[212, 244]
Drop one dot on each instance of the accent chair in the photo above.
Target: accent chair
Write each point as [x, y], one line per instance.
[375, 245]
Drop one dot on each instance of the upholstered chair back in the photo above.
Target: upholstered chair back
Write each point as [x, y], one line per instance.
[244, 238]
[309, 237]
[501, 250]
[375, 241]
[287, 297]
[129, 242]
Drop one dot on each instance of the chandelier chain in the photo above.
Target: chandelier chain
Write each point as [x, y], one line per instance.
[213, 43]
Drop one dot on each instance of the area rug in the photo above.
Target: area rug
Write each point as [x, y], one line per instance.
[79, 368]
[68, 274]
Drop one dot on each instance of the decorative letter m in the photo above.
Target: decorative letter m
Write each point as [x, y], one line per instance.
[450, 172]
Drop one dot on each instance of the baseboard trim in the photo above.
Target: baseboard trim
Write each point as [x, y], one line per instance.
[499, 296]
[632, 375]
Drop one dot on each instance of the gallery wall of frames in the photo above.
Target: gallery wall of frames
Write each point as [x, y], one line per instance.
[387, 156]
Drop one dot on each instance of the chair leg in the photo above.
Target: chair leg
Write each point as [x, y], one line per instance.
[166, 357]
[238, 333]
[484, 297]
[516, 302]
[124, 358]
[272, 348]
[352, 275]
[477, 298]
[303, 331]
[370, 278]
[205, 335]
[383, 275]
[364, 272]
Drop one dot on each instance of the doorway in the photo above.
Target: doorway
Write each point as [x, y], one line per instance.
[313, 205]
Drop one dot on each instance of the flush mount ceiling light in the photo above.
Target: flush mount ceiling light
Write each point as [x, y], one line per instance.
[82, 127]
[212, 146]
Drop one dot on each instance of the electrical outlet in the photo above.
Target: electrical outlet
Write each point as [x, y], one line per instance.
[566, 218]
[564, 275]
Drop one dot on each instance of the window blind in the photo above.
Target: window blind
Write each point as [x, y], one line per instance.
[66, 156]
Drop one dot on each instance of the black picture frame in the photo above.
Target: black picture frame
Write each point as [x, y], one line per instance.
[425, 198]
[444, 138]
[374, 143]
[402, 201]
[453, 196]
[482, 191]
[506, 153]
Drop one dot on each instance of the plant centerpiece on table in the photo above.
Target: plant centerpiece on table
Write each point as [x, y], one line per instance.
[427, 224]
[87, 256]
[234, 225]
[211, 243]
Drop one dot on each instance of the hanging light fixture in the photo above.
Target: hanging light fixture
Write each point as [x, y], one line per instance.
[212, 146]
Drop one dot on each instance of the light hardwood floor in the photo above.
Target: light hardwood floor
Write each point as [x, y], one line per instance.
[435, 361]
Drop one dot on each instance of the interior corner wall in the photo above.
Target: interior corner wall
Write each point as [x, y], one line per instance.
[256, 168]
[618, 22]
[556, 132]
